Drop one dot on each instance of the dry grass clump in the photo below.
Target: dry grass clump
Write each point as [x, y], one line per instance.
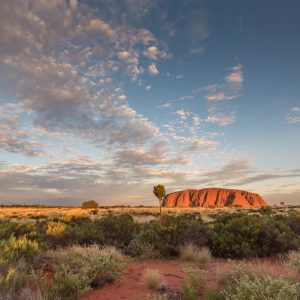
[191, 253]
[272, 270]
[152, 278]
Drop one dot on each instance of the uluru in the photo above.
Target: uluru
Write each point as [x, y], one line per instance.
[213, 197]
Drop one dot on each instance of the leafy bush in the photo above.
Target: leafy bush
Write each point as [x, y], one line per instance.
[248, 286]
[197, 233]
[239, 235]
[169, 233]
[118, 230]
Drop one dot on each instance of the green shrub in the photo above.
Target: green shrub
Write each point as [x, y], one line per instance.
[91, 262]
[8, 228]
[266, 210]
[213, 295]
[118, 230]
[169, 233]
[197, 233]
[140, 248]
[14, 249]
[189, 291]
[239, 235]
[12, 276]
[65, 286]
[248, 286]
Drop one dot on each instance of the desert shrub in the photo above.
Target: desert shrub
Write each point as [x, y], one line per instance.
[265, 210]
[189, 292]
[197, 233]
[293, 221]
[8, 228]
[169, 232]
[194, 284]
[12, 276]
[213, 295]
[91, 262]
[293, 260]
[118, 230]
[240, 235]
[55, 229]
[152, 278]
[90, 204]
[140, 247]
[248, 286]
[65, 286]
[15, 249]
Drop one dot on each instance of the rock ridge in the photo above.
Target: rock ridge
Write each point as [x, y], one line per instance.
[213, 197]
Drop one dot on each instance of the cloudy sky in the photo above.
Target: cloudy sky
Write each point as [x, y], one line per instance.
[103, 99]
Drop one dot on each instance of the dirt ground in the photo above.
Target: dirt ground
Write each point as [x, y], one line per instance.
[131, 286]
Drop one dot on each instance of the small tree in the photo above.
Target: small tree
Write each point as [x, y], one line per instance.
[160, 193]
[282, 203]
[90, 204]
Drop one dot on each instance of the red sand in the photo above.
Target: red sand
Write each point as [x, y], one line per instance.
[130, 285]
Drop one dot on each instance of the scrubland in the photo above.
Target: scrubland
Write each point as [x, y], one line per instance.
[61, 253]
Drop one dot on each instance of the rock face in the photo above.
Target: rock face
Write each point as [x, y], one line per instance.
[213, 197]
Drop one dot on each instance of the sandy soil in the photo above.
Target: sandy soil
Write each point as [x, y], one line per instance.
[130, 285]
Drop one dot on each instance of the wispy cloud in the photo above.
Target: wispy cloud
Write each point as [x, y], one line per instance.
[229, 89]
[293, 116]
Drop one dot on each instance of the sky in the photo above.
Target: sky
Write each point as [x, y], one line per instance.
[104, 99]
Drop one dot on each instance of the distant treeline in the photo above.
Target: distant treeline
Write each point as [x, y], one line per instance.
[73, 206]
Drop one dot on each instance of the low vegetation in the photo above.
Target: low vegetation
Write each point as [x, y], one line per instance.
[247, 285]
[152, 278]
[63, 256]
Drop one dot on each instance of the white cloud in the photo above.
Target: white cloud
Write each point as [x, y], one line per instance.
[236, 76]
[228, 90]
[154, 53]
[293, 116]
[152, 69]
[200, 144]
[182, 114]
[151, 52]
[122, 97]
[221, 119]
